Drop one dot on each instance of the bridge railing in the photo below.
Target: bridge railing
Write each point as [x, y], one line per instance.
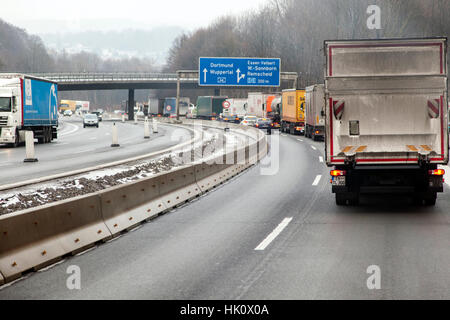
[109, 77]
[92, 77]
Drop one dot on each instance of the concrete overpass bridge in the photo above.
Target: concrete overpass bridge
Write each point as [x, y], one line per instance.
[181, 80]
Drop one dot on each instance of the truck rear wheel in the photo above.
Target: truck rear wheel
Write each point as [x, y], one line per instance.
[430, 199]
[352, 198]
[341, 199]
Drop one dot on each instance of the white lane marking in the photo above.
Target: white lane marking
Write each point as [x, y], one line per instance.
[320, 159]
[300, 140]
[273, 234]
[76, 128]
[94, 138]
[316, 181]
[107, 134]
[284, 135]
[61, 144]
[314, 147]
[83, 151]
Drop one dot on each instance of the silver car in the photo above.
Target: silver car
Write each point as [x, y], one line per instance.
[90, 120]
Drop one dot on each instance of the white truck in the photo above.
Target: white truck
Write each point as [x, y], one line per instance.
[314, 112]
[27, 104]
[236, 110]
[386, 117]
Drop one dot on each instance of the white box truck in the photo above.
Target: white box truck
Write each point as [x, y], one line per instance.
[386, 117]
[235, 111]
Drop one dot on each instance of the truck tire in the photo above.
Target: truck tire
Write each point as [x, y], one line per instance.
[352, 198]
[341, 199]
[430, 199]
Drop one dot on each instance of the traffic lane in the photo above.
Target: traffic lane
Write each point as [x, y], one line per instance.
[202, 250]
[54, 158]
[326, 255]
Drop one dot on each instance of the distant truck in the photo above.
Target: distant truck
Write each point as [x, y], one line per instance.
[170, 107]
[315, 112]
[273, 111]
[156, 106]
[209, 107]
[236, 110]
[386, 117]
[67, 105]
[258, 102]
[293, 111]
[27, 104]
[82, 107]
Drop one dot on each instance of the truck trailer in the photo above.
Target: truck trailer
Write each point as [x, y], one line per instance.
[156, 106]
[293, 111]
[170, 107]
[236, 110]
[27, 104]
[209, 107]
[386, 117]
[315, 112]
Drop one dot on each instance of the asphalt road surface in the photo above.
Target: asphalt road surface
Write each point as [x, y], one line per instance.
[260, 236]
[78, 148]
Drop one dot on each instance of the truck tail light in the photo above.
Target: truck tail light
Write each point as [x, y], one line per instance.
[337, 173]
[436, 172]
[257, 125]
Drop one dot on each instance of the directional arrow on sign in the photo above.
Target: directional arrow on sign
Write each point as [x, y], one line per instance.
[204, 74]
[239, 78]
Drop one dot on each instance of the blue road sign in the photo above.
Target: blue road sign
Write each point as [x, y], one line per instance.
[253, 72]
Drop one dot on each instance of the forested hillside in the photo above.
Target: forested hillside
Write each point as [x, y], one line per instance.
[294, 30]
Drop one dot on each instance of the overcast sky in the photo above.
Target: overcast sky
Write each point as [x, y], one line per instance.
[43, 16]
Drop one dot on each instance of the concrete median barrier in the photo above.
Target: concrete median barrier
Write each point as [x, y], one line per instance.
[125, 206]
[178, 186]
[37, 237]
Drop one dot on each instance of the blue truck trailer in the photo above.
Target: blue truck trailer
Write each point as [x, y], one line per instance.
[27, 103]
[170, 107]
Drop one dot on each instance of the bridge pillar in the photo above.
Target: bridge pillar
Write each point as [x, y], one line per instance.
[130, 104]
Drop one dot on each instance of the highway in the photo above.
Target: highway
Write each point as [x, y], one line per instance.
[259, 236]
[78, 148]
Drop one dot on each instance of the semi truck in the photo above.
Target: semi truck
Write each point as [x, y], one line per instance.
[209, 107]
[258, 102]
[82, 107]
[293, 111]
[170, 107]
[27, 104]
[236, 110]
[274, 111]
[386, 117]
[156, 106]
[314, 112]
[67, 105]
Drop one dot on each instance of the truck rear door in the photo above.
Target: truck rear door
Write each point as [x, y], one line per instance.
[386, 101]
